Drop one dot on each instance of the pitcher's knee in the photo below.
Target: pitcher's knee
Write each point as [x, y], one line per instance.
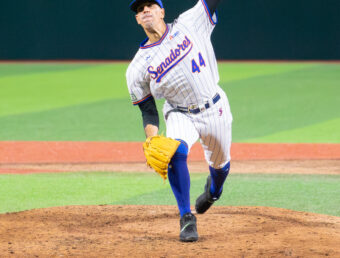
[182, 150]
[224, 167]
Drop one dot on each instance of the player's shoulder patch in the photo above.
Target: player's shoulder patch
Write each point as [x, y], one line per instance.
[133, 97]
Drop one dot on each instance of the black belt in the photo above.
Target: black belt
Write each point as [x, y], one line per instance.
[195, 109]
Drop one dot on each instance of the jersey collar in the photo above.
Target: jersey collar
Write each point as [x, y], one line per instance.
[142, 45]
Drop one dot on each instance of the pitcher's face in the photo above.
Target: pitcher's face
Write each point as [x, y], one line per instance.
[149, 15]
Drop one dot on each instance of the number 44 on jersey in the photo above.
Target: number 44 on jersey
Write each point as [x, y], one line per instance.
[195, 67]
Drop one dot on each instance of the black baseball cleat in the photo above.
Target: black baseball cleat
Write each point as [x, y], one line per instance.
[205, 200]
[188, 228]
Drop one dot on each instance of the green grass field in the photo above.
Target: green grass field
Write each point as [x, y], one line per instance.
[270, 102]
[313, 193]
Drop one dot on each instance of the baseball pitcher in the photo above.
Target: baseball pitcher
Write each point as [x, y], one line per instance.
[177, 62]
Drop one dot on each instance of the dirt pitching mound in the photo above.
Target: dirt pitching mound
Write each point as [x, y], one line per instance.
[152, 231]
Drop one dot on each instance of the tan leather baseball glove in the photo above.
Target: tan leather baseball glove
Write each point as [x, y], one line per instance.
[158, 151]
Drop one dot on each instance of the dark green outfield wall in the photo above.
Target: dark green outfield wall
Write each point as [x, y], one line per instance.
[106, 29]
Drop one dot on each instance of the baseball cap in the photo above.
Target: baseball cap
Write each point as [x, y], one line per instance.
[135, 3]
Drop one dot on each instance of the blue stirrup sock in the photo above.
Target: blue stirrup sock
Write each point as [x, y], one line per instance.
[218, 176]
[179, 178]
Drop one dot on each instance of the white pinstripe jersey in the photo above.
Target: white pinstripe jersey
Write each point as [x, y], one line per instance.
[181, 67]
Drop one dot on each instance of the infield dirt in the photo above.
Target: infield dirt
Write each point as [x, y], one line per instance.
[34, 157]
[152, 231]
